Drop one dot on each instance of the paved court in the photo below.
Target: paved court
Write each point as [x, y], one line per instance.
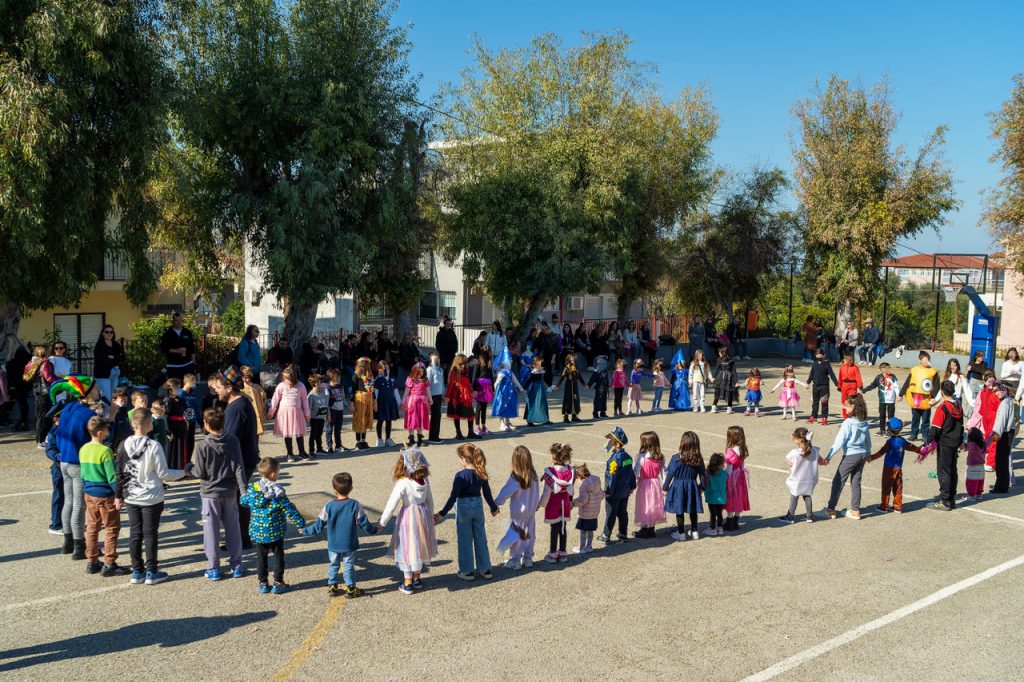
[922, 595]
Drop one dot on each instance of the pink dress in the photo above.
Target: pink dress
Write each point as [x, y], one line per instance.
[417, 405]
[788, 397]
[559, 479]
[650, 501]
[737, 496]
[975, 470]
[290, 410]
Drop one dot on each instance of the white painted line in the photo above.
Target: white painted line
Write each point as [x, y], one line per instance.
[850, 635]
[64, 597]
[34, 492]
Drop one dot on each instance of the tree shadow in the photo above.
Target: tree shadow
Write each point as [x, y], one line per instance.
[165, 633]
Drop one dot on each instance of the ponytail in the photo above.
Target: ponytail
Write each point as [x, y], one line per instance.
[475, 456]
[803, 440]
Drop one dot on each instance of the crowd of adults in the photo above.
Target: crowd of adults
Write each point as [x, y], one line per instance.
[867, 345]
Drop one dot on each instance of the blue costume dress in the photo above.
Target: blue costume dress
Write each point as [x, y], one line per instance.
[679, 398]
[536, 399]
[683, 482]
[387, 406]
[506, 399]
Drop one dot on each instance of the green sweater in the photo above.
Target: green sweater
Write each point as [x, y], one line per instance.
[99, 474]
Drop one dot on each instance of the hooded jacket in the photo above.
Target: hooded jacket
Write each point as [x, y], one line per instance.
[141, 472]
[270, 506]
[948, 425]
[854, 438]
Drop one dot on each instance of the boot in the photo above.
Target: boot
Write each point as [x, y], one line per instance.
[79, 554]
[69, 544]
[419, 441]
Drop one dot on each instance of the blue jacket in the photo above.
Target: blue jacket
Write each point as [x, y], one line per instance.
[871, 335]
[854, 438]
[341, 517]
[270, 507]
[72, 432]
[619, 478]
[51, 449]
[249, 354]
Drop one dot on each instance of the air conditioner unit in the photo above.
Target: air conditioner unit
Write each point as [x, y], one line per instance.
[575, 303]
[255, 297]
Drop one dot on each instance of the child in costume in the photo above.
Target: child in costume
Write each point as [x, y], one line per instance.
[385, 389]
[888, 390]
[619, 385]
[270, 506]
[716, 494]
[683, 482]
[803, 474]
[537, 395]
[483, 388]
[506, 394]
[850, 381]
[417, 405]
[469, 484]
[789, 399]
[599, 382]
[319, 411]
[522, 492]
[892, 468]
[679, 396]
[725, 379]
[256, 395]
[737, 486]
[821, 374]
[700, 377]
[753, 395]
[556, 499]
[660, 382]
[619, 484]
[946, 435]
[588, 502]
[975, 447]
[650, 474]
[636, 389]
[921, 387]
[363, 401]
[177, 425]
[160, 432]
[571, 398]
[413, 541]
[290, 411]
[460, 398]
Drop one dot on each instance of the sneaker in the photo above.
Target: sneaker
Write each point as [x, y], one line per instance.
[213, 574]
[111, 570]
[676, 535]
[622, 538]
[55, 531]
[788, 518]
[551, 558]
[406, 589]
[138, 577]
[824, 422]
[831, 513]
[939, 506]
[746, 413]
[333, 590]
[852, 514]
[417, 583]
[435, 441]
[513, 565]
[694, 535]
[279, 588]
[238, 572]
[486, 575]
[389, 443]
[578, 550]
[711, 532]
[809, 519]
[563, 558]
[468, 577]
[989, 469]
[353, 592]
[811, 420]
[527, 563]
[380, 442]
[714, 409]
[882, 509]
[155, 577]
[605, 539]
[587, 550]
[265, 588]
[757, 413]
[897, 511]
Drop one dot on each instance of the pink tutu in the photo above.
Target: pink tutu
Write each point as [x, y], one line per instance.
[413, 542]
[789, 398]
[650, 503]
[484, 391]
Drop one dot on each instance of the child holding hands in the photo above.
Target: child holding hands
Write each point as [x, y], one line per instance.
[522, 492]
[413, 542]
[588, 501]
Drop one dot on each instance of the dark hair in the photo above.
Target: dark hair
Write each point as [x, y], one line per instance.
[342, 483]
[883, 365]
[214, 418]
[561, 453]
[716, 463]
[923, 354]
[1016, 354]
[248, 330]
[976, 436]
[689, 449]
[948, 388]
[800, 436]
[860, 408]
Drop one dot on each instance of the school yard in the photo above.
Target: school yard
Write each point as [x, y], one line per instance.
[922, 595]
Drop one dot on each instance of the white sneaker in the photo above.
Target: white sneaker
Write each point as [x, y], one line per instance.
[578, 550]
[527, 563]
[513, 564]
[989, 469]
[468, 577]
[380, 443]
[390, 443]
[694, 535]
[678, 536]
[714, 409]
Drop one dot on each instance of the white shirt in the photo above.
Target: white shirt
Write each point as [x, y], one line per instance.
[1010, 370]
[407, 492]
[804, 474]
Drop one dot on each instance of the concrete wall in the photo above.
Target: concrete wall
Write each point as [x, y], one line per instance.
[1011, 328]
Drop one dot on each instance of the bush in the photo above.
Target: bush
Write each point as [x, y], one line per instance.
[217, 350]
[233, 319]
[143, 357]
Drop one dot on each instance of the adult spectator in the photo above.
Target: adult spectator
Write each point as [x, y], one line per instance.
[365, 348]
[581, 342]
[1012, 370]
[848, 340]
[548, 349]
[387, 351]
[630, 342]
[568, 345]
[478, 344]
[695, 336]
[240, 421]
[648, 342]
[869, 343]
[711, 339]
[408, 356]
[810, 331]
[18, 387]
[311, 359]
[497, 342]
[347, 360]
[736, 345]
[446, 344]
[39, 373]
[613, 341]
[599, 342]
[976, 371]
[108, 356]
[248, 352]
[281, 354]
[179, 347]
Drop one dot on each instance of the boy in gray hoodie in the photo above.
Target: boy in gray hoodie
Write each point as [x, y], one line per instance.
[141, 472]
[217, 463]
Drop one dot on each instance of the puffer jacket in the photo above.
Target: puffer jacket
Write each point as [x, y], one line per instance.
[270, 507]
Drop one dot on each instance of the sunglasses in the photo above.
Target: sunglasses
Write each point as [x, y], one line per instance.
[56, 348]
[108, 331]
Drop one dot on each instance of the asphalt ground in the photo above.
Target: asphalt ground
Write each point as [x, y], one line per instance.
[922, 595]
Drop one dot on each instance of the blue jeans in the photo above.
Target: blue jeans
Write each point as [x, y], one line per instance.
[656, 403]
[921, 421]
[347, 562]
[106, 386]
[469, 529]
[57, 498]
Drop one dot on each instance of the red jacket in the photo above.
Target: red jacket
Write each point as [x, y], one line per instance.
[849, 379]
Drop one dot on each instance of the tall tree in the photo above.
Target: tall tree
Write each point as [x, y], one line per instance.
[296, 105]
[81, 115]
[858, 192]
[1005, 210]
[727, 254]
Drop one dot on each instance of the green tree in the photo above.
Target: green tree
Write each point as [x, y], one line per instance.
[292, 108]
[858, 193]
[233, 318]
[81, 115]
[1005, 210]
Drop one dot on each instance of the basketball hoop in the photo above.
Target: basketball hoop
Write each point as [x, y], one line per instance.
[950, 293]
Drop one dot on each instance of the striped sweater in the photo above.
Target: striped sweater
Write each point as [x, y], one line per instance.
[98, 471]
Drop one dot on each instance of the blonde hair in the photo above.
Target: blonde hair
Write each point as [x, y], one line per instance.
[290, 375]
[650, 444]
[471, 454]
[458, 365]
[561, 453]
[582, 472]
[314, 380]
[522, 466]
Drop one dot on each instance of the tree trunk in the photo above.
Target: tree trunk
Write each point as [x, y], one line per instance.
[844, 315]
[623, 303]
[403, 323]
[298, 324]
[530, 318]
[10, 320]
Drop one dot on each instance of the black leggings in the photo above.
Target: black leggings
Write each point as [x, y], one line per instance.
[383, 426]
[144, 520]
[681, 526]
[481, 413]
[334, 430]
[316, 435]
[886, 411]
[716, 515]
[618, 399]
[732, 394]
[43, 423]
[262, 552]
[288, 445]
[558, 537]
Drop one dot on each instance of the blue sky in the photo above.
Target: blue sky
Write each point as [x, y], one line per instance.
[948, 63]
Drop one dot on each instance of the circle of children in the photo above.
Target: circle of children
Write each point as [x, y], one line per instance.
[109, 458]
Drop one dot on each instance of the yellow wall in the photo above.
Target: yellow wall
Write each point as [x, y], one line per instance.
[107, 298]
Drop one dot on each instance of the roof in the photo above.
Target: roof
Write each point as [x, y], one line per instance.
[925, 260]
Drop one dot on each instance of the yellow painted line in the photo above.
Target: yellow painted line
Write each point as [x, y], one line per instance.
[312, 643]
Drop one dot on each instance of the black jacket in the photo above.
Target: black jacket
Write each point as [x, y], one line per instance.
[106, 358]
[172, 339]
[821, 372]
[447, 345]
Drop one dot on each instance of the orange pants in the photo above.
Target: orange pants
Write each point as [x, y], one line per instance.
[892, 482]
[100, 511]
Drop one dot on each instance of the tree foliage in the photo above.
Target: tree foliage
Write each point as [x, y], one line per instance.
[81, 115]
[1004, 212]
[287, 111]
[859, 194]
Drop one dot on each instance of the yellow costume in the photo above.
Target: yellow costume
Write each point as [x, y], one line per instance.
[922, 386]
[258, 397]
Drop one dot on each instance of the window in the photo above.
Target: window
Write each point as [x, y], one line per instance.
[904, 272]
[436, 304]
[77, 329]
[446, 304]
[428, 305]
